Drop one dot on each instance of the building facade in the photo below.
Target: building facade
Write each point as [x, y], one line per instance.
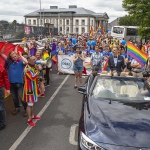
[113, 23]
[68, 20]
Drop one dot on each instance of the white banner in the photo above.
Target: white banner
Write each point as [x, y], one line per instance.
[65, 64]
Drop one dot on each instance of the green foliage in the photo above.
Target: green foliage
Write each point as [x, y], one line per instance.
[13, 25]
[4, 23]
[139, 9]
[128, 21]
[20, 35]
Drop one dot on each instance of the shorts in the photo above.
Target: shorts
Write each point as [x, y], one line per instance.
[77, 68]
[30, 104]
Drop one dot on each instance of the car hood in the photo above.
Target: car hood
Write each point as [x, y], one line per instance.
[118, 123]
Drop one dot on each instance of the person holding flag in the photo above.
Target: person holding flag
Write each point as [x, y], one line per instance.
[3, 83]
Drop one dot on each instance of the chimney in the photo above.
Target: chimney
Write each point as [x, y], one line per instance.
[53, 7]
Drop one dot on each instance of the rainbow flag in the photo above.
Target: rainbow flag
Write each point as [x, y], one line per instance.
[91, 31]
[54, 58]
[137, 54]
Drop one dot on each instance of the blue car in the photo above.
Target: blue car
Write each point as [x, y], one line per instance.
[115, 114]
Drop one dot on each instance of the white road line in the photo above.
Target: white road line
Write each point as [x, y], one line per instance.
[72, 134]
[27, 130]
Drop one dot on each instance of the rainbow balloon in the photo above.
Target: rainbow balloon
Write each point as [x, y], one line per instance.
[137, 54]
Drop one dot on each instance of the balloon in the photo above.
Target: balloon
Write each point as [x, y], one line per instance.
[93, 43]
[74, 41]
[123, 42]
[89, 43]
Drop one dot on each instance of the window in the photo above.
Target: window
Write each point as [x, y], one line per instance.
[132, 31]
[77, 22]
[34, 22]
[92, 23]
[60, 28]
[83, 30]
[83, 22]
[67, 29]
[47, 20]
[29, 22]
[67, 22]
[118, 30]
[77, 30]
[60, 21]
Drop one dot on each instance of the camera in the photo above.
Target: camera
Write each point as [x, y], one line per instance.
[146, 73]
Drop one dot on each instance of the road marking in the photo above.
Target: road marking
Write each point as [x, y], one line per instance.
[72, 134]
[27, 130]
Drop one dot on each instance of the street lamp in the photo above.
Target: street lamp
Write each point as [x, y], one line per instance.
[40, 12]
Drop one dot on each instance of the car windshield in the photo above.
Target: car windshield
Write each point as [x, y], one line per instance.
[117, 88]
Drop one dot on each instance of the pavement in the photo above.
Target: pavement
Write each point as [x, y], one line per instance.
[60, 111]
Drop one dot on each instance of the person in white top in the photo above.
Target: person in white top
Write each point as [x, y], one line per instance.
[136, 69]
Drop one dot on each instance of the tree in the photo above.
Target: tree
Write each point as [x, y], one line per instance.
[20, 34]
[4, 23]
[128, 20]
[13, 25]
[139, 9]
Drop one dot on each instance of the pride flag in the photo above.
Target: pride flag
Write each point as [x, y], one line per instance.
[100, 29]
[54, 58]
[91, 31]
[137, 54]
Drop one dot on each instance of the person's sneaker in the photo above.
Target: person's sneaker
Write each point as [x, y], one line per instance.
[41, 95]
[31, 123]
[2, 127]
[46, 85]
[36, 117]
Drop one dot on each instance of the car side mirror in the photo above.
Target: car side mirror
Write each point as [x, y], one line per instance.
[82, 90]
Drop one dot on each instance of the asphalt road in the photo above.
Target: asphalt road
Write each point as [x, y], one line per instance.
[57, 129]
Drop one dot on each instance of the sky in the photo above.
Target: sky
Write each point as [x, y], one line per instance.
[16, 9]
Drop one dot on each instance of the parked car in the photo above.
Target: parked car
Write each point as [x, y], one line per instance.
[115, 114]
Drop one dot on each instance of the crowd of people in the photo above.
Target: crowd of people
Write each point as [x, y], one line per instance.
[26, 80]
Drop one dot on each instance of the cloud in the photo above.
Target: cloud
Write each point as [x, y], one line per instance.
[14, 9]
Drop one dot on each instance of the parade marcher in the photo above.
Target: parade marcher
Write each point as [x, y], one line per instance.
[3, 83]
[31, 90]
[136, 69]
[147, 65]
[96, 59]
[15, 66]
[116, 62]
[46, 56]
[41, 75]
[32, 49]
[78, 59]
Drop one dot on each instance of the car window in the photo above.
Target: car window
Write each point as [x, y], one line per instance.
[120, 89]
[90, 81]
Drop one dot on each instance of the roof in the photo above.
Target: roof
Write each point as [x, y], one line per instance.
[76, 11]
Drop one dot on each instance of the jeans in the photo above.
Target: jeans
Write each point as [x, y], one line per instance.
[2, 109]
[16, 90]
[47, 75]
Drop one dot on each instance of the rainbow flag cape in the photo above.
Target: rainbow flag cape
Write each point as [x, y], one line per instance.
[137, 54]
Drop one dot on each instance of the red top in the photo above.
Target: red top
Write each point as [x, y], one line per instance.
[4, 78]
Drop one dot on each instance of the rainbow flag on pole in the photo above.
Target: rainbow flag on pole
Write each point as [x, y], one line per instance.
[137, 54]
[91, 31]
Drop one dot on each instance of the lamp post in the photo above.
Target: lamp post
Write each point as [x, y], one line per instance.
[40, 17]
[40, 12]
